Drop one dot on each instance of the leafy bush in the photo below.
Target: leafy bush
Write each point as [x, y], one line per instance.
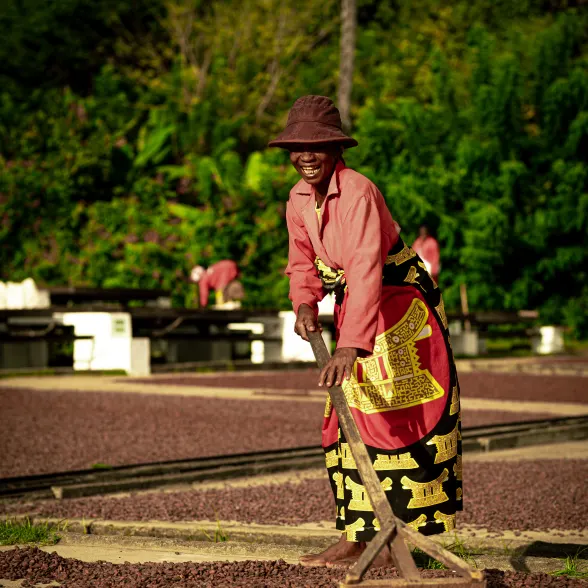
[471, 116]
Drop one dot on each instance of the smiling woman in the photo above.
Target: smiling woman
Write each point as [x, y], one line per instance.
[393, 358]
[316, 166]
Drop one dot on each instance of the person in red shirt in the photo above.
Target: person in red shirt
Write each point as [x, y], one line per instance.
[392, 357]
[220, 277]
[427, 248]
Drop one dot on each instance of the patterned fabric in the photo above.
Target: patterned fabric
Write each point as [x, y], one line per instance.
[405, 400]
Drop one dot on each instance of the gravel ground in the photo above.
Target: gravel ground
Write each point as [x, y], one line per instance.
[473, 384]
[37, 566]
[59, 431]
[519, 496]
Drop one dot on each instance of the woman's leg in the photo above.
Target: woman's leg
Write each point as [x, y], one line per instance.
[345, 548]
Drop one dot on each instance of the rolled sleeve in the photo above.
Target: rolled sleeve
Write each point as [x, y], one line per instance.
[362, 260]
[305, 285]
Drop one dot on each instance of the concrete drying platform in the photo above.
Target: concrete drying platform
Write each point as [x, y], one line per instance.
[76, 429]
[264, 555]
[89, 559]
[504, 553]
[39, 566]
[499, 494]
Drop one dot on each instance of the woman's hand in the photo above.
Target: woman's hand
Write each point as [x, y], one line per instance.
[306, 321]
[339, 366]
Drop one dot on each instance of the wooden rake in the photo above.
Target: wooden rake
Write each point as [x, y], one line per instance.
[393, 532]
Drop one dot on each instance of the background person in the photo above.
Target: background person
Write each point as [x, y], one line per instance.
[427, 248]
[222, 278]
[392, 358]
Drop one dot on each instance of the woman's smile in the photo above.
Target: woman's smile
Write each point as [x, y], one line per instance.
[315, 164]
[310, 171]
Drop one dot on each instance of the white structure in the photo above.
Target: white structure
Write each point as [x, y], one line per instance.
[295, 348]
[257, 347]
[112, 346]
[549, 340]
[465, 343]
[25, 294]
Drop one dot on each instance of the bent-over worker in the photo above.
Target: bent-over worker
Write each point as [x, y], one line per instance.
[220, 277]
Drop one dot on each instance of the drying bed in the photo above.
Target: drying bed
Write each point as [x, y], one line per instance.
[519, 496]
[37, 566]
[55, 431]
[499, 386]
[59, 431]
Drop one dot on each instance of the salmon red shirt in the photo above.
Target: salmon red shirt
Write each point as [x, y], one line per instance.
[353, 232]
[217, 277]
[428, 250]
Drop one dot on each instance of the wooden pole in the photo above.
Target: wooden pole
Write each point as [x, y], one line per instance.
[346, 60]
[394, 532]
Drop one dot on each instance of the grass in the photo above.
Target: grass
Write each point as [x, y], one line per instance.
[101, 466]
[457, 547]
[570, 567]
[220, 536]
[425, 561]
[13, 532]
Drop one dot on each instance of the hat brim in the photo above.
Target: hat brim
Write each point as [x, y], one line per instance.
[312, 133]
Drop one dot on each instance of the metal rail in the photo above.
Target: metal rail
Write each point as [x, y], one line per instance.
[151, 475]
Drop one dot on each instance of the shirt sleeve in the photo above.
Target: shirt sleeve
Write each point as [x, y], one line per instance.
[305, 285]
[362, 261]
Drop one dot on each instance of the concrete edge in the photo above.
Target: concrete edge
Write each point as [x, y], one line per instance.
[120, 550]
[554, 543]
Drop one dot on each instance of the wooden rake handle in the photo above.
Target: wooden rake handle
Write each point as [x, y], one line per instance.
[393, 530]
[388, 523]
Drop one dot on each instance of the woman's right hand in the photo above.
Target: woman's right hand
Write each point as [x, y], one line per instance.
[306, 321]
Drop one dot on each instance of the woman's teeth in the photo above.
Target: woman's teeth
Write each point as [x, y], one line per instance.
[311, 171]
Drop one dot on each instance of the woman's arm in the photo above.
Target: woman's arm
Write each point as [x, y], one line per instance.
[362, 261]
[306, 288]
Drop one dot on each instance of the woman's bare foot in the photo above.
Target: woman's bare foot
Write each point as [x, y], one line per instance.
[343, 549]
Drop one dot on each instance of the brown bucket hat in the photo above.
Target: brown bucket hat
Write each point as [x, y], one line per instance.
[313, 119]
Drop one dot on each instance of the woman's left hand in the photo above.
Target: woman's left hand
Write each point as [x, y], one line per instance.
[339, 366]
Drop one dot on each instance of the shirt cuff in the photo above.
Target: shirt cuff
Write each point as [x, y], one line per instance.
[358, 344]
[312, 302]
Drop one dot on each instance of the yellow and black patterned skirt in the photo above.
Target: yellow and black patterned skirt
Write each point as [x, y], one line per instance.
[405, 400]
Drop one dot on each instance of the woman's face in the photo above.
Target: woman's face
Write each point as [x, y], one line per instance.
[315, 163]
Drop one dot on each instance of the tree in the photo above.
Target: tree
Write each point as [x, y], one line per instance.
[347, 57]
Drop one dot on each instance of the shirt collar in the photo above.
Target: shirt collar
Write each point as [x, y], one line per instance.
[334, 184]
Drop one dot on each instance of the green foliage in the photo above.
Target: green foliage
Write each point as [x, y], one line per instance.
[51, 44]
[472, 116]
[14, 532]
[571, 566]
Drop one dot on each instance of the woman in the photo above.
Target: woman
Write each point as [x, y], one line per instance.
[393, 357]
[427, 248]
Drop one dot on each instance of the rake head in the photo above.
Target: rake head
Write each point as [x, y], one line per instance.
[420, 583]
